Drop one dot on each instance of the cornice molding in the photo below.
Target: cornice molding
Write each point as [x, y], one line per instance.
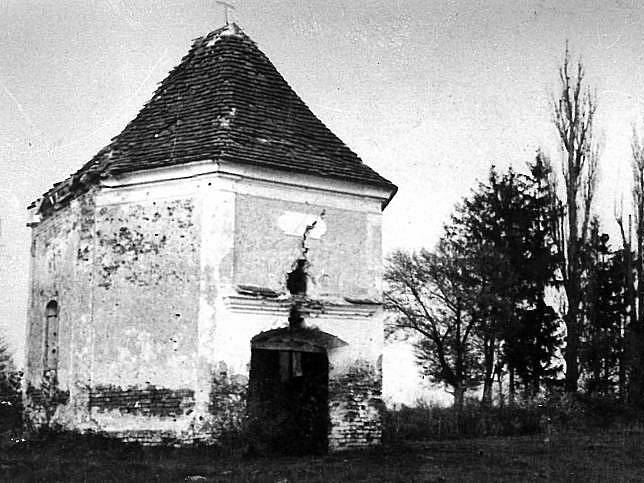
[237, 171]
[311, 308]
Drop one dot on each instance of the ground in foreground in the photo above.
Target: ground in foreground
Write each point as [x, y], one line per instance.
[611, 456]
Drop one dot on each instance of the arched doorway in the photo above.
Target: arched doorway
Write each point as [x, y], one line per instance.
[288, 398]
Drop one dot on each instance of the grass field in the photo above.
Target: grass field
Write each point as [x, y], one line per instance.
[609, 456]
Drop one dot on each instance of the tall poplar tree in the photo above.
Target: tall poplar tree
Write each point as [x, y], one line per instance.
[574, 116]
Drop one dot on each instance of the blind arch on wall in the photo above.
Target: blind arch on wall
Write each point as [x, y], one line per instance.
[51, 336]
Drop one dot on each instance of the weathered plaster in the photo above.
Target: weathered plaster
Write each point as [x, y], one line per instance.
[62, 272]
[216, 263]
[146, 293]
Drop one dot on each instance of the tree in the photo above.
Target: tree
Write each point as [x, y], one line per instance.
[633, 265]
[430, 295]
[10, 397]
[602, 345]
[485, 224]
[574, 115]
[7, 369]
[505, 226]
[530, 345]
[637, 147]
[482, 291]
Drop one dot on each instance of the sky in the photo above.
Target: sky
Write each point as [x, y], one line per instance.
[428, 93]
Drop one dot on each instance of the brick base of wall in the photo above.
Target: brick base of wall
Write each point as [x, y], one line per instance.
[149, 401]
[355, 408]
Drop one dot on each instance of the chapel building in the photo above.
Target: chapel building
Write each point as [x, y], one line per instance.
[216, 268]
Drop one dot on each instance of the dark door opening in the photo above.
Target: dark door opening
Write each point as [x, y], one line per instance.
[288, 400]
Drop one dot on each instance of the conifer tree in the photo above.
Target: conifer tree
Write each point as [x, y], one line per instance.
[602, 343]
[506, 226]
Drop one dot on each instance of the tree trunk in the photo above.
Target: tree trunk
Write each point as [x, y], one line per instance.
[597, 382]
[459, 398]
[489, 346]
[639, 268]
[536, 385]
[623, 395]
[511, 387]
[499, 380]
[630, 357]
[570, 356]
[572, 287]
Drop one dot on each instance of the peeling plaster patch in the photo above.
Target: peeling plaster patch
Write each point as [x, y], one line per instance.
[131, 240]
[294, 223]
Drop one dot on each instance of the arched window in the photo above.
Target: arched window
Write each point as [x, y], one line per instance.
[51, 336]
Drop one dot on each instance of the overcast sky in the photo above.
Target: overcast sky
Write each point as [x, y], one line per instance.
[428, 93]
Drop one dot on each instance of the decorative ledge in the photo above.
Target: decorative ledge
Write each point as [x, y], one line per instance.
[281, 305]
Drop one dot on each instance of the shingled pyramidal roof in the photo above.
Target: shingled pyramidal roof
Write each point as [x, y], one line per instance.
[226, 101]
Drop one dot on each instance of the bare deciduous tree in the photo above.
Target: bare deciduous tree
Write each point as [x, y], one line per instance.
[428, 294]
[637, 146]
[573, 115]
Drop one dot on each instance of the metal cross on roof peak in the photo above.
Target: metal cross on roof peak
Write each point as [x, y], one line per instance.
[227, 6]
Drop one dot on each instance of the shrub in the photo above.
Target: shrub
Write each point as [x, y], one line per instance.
[10, 394]
[557, 412]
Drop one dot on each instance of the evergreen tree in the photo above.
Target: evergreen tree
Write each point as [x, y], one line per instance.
[602, 344]
[530, 344]
[532, 341]
[487, 224]
[505, 226]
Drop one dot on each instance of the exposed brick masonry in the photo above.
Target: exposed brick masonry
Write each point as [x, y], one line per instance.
[355, 406]
[150, 401]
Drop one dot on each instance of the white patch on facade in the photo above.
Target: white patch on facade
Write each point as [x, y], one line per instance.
[294, 223]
